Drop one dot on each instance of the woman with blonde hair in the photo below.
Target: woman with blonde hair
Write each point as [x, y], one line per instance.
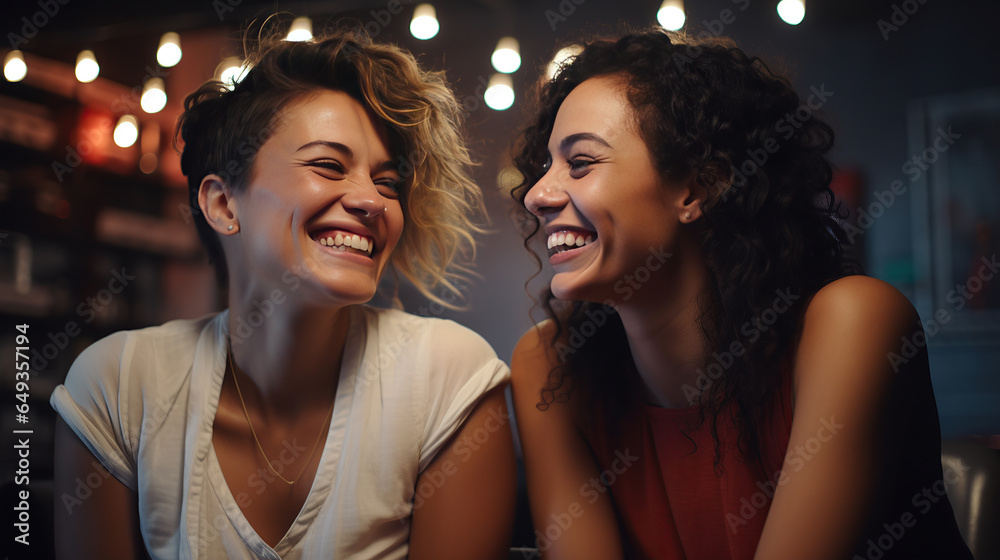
[300, 423]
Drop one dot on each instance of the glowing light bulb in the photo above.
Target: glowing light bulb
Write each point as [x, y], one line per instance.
[14, 68]
[301, 30]
[671, 14]
[87, 68]
[561, 58]
[126, 131]
[169, 53]
[507, 58]
[499, 94]
[425, 24]
[232, 71]
[154, 98]
[792, 12]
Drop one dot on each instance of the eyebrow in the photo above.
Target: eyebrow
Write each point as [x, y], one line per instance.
[380, 168]
[386, 165]
[335, 145]
[568, 141]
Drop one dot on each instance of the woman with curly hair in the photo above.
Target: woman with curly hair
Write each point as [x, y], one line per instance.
[300, 423]
[714, 379]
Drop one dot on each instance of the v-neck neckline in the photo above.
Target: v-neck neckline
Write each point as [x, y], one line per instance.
[355, 348]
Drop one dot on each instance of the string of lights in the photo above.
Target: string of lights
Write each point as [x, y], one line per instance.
[498, 95]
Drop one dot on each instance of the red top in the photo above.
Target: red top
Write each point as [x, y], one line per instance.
[670, 502]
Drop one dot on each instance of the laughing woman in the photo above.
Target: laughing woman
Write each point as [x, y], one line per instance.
[713, 381]
[300, 423]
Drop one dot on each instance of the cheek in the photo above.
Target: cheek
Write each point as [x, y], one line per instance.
[394, 229]
[396, 235]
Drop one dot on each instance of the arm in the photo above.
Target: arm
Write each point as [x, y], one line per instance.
[558, 462]
[464, 507]
[844, 386]
[103, 525]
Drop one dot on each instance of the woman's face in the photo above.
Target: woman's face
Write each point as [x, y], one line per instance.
[609, 219]
[321, 203]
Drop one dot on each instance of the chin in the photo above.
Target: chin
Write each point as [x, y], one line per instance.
[569, 291]
[603, 292]
[344, 290]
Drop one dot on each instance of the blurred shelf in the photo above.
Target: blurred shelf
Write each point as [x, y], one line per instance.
[38, 301]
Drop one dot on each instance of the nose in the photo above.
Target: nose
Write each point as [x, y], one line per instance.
[545, 197]
[364, 200]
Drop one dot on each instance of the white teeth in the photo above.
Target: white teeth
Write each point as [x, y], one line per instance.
[569, 240]
[342, 242]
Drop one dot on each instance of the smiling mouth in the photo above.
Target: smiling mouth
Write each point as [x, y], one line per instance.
[562, 241]
[346, 242]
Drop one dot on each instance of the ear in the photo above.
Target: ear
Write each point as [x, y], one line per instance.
[691, 195]
[218, 205]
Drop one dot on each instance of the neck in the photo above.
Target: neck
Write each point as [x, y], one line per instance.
[664, 334]
[290, 353]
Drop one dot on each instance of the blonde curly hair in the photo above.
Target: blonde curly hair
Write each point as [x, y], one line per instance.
[224, 125]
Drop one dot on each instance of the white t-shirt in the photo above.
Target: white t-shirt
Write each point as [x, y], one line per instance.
[144, 403]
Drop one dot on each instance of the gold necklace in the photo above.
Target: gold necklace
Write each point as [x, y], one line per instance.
[329, 415]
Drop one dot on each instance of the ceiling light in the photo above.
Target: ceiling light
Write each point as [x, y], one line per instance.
[169, 53]
[561, 58]
[14, 68]
[232, 71]
[792, 12]
[671, 14]
[126, 131]
[425, 24]
[507, 58]
[87, 68]
[154, 98]
[301, 30]
[499, 94]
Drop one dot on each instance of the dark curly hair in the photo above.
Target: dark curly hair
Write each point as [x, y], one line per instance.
[770, 221]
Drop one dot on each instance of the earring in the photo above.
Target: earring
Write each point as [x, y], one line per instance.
[230, 227]
[687, 216]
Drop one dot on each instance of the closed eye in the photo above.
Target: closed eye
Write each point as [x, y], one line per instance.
[578, 165]
[328, 164]
[389, 187]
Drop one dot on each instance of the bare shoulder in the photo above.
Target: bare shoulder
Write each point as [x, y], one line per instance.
[534, 365]
[850, 398]
[534, 356]
[854, 325]
[859, 299]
